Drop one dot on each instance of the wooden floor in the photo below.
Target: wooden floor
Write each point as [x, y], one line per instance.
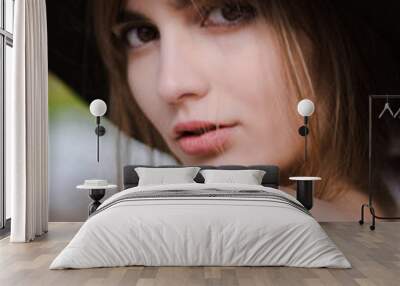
[375, 257]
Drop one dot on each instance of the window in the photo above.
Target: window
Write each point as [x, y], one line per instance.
[6, 66]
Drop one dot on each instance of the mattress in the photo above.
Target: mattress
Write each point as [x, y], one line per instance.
[201, 225]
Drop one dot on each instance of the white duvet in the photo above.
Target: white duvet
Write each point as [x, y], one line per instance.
[200, 231]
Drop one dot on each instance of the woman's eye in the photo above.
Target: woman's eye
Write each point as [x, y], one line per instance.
[135, 37]
[228, 14]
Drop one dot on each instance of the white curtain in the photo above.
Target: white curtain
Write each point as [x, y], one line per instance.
[27, 124]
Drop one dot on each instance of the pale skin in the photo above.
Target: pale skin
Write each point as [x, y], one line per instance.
[225, 71]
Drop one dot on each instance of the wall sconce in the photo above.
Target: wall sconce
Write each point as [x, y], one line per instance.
[305, 108]
[98, 108]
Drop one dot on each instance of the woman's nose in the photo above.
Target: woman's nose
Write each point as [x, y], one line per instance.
[181, 70]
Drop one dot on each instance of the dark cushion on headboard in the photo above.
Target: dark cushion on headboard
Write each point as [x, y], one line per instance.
[270, 179]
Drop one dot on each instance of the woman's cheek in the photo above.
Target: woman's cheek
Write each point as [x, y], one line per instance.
[141, 77]
[269, 118]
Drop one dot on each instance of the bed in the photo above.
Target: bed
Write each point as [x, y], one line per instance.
[201, 224]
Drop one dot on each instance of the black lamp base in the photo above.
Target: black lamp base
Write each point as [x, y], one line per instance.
[100, 130]
[304, 193]
[96, 195]
[303, 131]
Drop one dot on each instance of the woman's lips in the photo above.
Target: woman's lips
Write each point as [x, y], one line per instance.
[198, 138]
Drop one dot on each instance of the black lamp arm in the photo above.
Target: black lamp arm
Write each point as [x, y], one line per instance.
[100, 131]
[303, 131]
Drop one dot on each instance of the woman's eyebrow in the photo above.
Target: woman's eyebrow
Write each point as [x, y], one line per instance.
[180, 4]
[132, 16]
[185, 4]
[135, 16]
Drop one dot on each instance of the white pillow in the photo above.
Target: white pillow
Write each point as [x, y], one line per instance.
[162, 176]
[248, 177]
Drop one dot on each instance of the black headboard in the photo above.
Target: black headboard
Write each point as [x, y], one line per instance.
[270, 179]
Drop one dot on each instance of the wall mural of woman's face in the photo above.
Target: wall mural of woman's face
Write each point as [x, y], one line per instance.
[190, 74]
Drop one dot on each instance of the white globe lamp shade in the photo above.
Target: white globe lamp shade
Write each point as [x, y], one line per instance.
[98, 107]
[305, 107]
